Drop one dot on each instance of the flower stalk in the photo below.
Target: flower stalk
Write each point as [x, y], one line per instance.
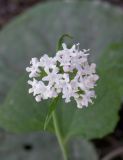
[59, 136]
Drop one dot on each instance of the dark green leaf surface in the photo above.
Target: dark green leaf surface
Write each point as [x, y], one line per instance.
[21, 113]
[98, 119]
[94, 25]
[24, 113]
[30, 35]
[112, 64]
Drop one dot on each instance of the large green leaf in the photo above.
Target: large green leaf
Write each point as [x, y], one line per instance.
[94, 25]
[98, 119]
[112, 63]
[21, 113]
[29, 35]
[24, 114]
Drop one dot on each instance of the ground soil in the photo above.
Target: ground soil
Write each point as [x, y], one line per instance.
[11, 8]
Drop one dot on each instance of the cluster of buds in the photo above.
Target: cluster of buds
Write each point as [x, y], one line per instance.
[68, 74]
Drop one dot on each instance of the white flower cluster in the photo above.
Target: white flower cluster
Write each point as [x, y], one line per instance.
[68, 74]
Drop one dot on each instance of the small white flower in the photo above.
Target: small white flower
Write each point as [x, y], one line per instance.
[52, 77]
[68, 73]
[47, 63]
[34, 69]
[86, 98]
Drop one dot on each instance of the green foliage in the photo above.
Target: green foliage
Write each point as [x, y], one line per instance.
[29, 35]
[61, 40]
[112, 63]
[20, 112]
[37, 31]
[44, 146]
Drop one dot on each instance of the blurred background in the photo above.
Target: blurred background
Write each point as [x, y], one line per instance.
[12, 8]
[35, 146]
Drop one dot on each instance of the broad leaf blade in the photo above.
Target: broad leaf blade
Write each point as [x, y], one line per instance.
[20, 112]
[37, 36]
[25, 113]
[112, 63]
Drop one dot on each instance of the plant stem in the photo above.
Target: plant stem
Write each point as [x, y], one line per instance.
[58, 135]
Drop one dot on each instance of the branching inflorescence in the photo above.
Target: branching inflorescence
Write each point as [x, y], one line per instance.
[68, 74]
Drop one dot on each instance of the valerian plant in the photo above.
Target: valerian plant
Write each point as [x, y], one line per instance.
[67, 75]
[20, 113]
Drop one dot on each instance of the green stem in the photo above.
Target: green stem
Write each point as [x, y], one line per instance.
[55, 121]
[58, 135]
